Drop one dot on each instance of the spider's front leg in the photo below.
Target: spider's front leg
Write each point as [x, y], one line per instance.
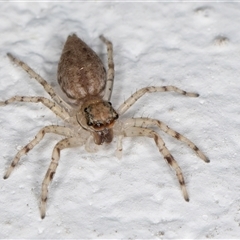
[144, 132]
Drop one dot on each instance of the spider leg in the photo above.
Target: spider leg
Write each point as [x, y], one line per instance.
[48, 88]
[138, 94]
[118, 152]
[48, 129]
[58, 110]
[110, 72]
[138, 131]
[65, 143]
[149, 122]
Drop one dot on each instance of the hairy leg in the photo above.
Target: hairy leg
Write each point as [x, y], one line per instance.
[149, 122]
[48, 88]
[138, 94]
[110, 72]
[59, 111]
[60, 130]
[65, 143]
[144, 132]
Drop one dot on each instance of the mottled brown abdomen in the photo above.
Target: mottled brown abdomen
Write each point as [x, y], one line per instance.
[80, 71]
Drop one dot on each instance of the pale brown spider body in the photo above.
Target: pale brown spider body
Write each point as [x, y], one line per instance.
[81, 73]
[82, 76]
[90, 115]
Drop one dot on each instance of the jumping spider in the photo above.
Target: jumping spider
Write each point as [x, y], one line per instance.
[89, 113]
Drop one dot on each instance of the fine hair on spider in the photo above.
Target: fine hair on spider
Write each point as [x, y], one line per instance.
[89, 114]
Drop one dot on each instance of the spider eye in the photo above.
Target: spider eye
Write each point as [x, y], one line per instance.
[110, 103]
[85, 109]
[89, 123]
[99, 124]
[116, 117]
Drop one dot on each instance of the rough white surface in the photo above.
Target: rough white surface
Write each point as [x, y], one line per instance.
[97, 195]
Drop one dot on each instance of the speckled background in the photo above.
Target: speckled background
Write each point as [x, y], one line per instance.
[194, 46]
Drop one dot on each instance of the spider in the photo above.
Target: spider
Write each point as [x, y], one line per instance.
[88, 114]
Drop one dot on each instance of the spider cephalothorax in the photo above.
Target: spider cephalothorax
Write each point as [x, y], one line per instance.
[98, 116]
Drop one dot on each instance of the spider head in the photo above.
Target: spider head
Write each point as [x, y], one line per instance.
[98, 116]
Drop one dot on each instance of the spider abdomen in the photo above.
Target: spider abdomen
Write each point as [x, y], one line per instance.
[80, 71]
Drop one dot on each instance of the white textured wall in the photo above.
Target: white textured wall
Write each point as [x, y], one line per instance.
[97, 195]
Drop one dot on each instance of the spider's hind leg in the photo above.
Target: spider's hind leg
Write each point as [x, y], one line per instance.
[60, 130]
[144, 132]
[65, 143]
